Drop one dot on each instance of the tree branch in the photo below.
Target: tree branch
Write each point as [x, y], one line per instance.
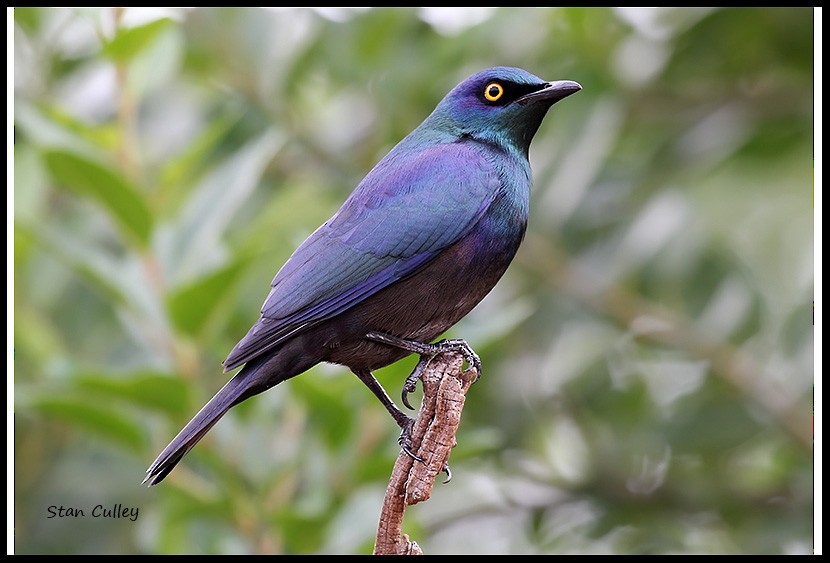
[433, 437]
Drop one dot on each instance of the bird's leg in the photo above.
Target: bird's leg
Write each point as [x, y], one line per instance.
[427, 353]
[401, 418]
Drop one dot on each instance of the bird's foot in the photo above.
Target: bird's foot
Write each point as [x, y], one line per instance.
[405, 442]
[405, 439]
[428, 351]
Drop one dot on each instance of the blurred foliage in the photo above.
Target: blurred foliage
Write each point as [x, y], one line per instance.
[648, 357]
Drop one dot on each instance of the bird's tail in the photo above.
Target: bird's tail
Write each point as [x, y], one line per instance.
[243, 385]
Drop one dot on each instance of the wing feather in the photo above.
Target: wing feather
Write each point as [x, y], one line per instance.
[408, 209]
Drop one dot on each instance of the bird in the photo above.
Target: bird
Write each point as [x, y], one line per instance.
[421, 240]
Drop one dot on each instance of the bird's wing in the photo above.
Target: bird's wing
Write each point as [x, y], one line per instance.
[406, 211]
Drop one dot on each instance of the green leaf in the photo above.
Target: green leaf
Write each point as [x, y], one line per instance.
[104, 421]
[50, 127]
[193, 305]
[105, 273]
[130, 41]
[151, 390]
[326, 397]
[36, 338]
[181, 171]
[192, 246]
[105, 186]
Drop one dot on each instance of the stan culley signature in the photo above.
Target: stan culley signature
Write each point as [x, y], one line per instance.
[97, 511]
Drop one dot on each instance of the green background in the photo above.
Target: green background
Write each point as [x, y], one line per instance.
[648, 356]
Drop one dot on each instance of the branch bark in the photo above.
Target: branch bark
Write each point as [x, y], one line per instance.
[433, 437]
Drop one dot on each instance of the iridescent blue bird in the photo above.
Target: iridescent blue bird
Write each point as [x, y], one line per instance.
[421, 240]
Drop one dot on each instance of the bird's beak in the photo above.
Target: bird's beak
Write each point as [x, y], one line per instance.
[551, 92]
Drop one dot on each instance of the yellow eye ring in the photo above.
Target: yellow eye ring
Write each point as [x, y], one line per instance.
[493, 91]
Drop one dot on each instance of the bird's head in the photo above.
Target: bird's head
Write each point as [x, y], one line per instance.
[499, 105]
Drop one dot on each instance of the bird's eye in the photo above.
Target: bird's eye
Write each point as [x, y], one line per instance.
[493, 92]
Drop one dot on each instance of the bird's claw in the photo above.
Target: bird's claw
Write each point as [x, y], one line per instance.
[469, 355]
[405, 440]
[446, 469]
[408, 387]
[461, 346]
[411, 382]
